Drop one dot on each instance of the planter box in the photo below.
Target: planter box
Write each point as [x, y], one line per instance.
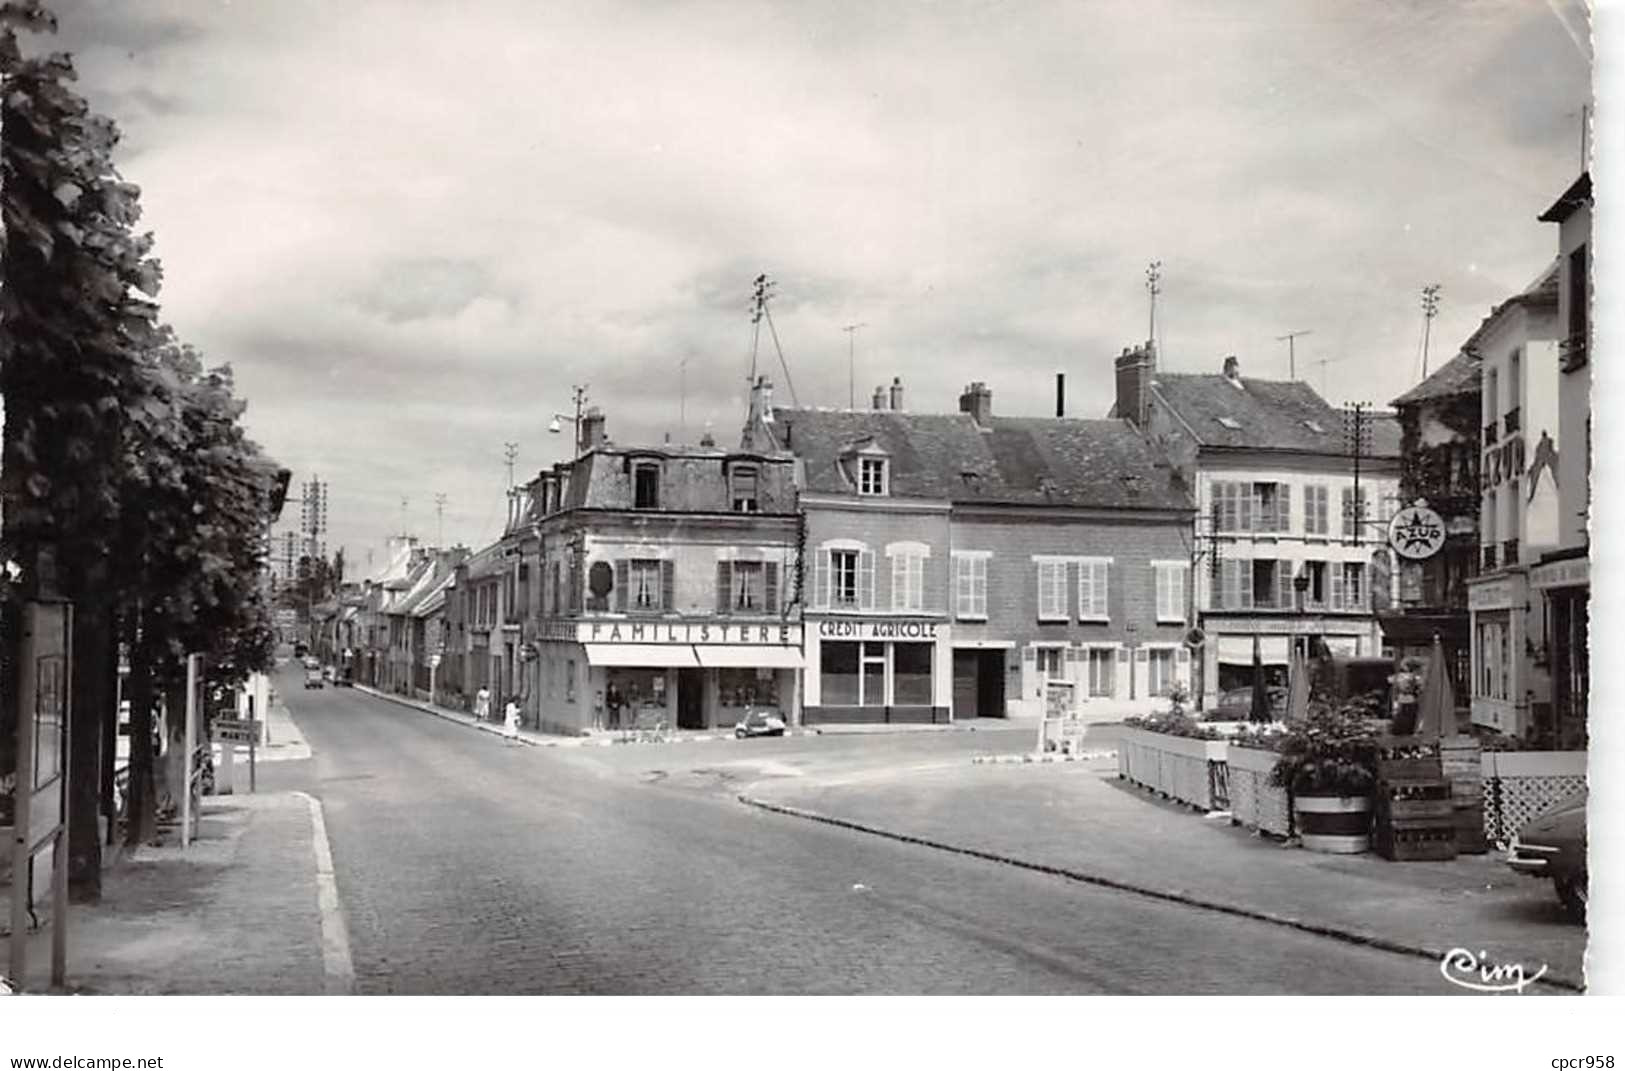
[1254, 802]
[1176, 766]
[1337, 825]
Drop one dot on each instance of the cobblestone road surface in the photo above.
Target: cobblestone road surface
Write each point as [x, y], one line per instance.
[464, 866]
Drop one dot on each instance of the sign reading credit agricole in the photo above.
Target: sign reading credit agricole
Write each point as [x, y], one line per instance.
[838, 628]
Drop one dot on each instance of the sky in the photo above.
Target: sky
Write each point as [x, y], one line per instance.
[412, 227]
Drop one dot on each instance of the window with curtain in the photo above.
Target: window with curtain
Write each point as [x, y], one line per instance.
[908, 581]
[970, 586]
[1093, 577]
[1052, 591]
[644, 580]
[1101, 661]
[1170, 590]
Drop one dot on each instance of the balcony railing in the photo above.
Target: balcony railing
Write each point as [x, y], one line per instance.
[1487, 558]
[1509, 552]
[1512, 420]
[1491, 431]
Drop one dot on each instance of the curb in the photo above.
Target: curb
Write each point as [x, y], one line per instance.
[401, 700]
[1347, 936]
[1032, 758]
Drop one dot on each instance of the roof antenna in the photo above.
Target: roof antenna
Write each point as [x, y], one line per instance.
[761, 293]
[1153, 286]
[1290, 338]
[1430, 309]
[851, 385]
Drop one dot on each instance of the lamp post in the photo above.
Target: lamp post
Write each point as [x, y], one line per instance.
[580, 395]
[1300, 584]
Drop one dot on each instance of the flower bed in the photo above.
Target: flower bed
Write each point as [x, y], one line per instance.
[1179, 767]
[1254, 802]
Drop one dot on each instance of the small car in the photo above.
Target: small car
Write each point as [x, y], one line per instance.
[1237, 704]
[763, 722]
[1553, 845]
[313, 678]
[345, 678]
[311, 663]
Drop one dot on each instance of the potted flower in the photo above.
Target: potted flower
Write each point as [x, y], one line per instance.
[1328, 765]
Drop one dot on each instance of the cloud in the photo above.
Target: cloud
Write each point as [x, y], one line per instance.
[412, 230]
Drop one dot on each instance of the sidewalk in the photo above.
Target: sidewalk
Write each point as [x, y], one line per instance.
[283, 740]
[1080, 821]
[237, 912]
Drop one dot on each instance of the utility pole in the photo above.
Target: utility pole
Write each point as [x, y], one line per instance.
[440, 520]
[1291, 338]
[851, 366]
[1430, 309]
[1357, 438]
[511, 453]
[761, 293]
[1153, 286]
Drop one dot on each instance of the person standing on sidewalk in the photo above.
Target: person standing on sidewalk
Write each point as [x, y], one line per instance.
[510, 722]
[482, 704]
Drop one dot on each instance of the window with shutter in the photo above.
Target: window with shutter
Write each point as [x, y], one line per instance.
[1337, 586]
[1052, 591]
[1283, 585]
[668, 585]
[1093, 589]
[623, 582]
[1283, 506]
[724, 587]
[866, 578]
[770, 587]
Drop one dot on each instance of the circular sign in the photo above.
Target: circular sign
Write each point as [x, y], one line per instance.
[1195, 638]
[600, 579]
[1416, 533]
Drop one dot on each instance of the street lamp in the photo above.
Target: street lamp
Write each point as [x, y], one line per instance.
[555, 426]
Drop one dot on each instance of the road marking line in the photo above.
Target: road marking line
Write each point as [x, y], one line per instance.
[336, 963]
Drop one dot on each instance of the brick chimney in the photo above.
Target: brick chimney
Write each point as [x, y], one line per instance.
[1135, 370]
[977, 400]
[897, 393]
[1232, 370]
[592, 429]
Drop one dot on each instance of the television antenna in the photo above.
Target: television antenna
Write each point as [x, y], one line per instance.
[1291, 338]
[851, 366]
[762, 289]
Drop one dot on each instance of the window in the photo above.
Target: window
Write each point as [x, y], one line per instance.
[744, 490]
[1170, 590]
[570, 680]
[646, 485]
[1315, 520]
[747, 587]
[644, 579]
[1251, 507]
[1514, 378]
[1354, 519]
[1052, 591]
[843, 577]
[911, 674]
[872, 682]
[908, 580]
[871, 476]
[838, 674]
[1051, 663]
[1092, 581]
[1101, 661]
[1315, 594]
[1271, 507]
[970, 586]
[1492, 681]
[1266, 586]
[1353, 586]
[554, 583]
[1161, 670]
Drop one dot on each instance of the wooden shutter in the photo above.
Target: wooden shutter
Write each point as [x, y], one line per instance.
[725, 576]
[1283, 507]
[1336, 571]
[668, 584]
[1284, 599]
[1348, 511]
[770, 586]
[623, 582]
[866, 579]
[899, 581]
[1108, 596]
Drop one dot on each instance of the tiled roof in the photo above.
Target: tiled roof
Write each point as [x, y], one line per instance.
[1263, 413]
[1460, 375]
[1097, 463]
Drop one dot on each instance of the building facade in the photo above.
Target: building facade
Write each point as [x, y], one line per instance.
[1292, 503]
[670, 586]
[1562, 577]
[1517, 346]
[968, 565]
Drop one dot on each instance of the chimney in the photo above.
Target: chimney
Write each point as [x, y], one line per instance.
[977, 400]
[880, 398]
[1232, 369]
[1135, 369]
[1060, 394]
[897, 393]
[592, 429]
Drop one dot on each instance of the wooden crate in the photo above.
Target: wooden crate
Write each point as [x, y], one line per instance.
[1408, 769]
[1414, 799]
[1416, 839]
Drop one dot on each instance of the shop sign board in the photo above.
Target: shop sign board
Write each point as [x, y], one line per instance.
[1416, 533]
[1570, 573]
[775, 634]
[858, 628]
[1490, 595]
[231, 730]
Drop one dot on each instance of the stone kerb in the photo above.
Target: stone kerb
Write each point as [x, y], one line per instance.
[1174, 766]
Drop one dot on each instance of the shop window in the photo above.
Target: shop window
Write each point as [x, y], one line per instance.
[646, 485]
[744, 489]
[745, 687]
[838, 674]
[911, 674]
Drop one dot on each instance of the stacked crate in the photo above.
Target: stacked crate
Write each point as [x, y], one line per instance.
[1415, 815]
[1461, 761]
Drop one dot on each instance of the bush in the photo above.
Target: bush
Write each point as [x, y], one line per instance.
[1174, 724]
[1332, 752]
[1259, 738]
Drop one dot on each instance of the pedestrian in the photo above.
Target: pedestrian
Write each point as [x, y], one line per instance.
[613, 701]
[482, 704]
[510, 722]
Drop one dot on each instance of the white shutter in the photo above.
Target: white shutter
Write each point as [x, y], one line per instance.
[1086, 582]
[1102, 585]
[1336, 569]
[866, 579]
[916, 582]
[899, 581]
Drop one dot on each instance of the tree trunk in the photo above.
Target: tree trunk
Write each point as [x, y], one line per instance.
[92, 705]
[143, 811]
[174, 780]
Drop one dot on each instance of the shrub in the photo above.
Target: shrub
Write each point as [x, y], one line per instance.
[1174, 724]
[1332, 752]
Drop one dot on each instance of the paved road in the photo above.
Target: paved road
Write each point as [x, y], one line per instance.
[465, 866]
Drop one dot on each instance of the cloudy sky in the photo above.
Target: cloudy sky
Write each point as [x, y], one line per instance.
[412, 226]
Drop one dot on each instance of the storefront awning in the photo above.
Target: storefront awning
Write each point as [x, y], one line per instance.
[1238, 650]
[641, 654]
[735, 655]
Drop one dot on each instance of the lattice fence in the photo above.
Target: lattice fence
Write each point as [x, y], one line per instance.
[1512, 801]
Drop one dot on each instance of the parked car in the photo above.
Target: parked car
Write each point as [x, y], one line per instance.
[1237, 704]
[328, 675]
[313, 677]
[344, 678]
[311, 663]
[763, 722]
[1553, 845]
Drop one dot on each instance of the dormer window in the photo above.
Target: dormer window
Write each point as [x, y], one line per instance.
[743, 490]
[871, 476]
[646, 485]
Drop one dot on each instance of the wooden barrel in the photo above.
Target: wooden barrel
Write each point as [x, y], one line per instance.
[1339, 825]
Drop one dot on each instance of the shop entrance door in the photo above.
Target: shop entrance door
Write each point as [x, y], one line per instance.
[990, 684]
[690, 699]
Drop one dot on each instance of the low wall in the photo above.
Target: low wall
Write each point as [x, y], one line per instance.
[1191, 771]
[1254, 802]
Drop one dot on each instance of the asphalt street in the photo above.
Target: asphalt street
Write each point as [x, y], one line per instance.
[467, 866]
